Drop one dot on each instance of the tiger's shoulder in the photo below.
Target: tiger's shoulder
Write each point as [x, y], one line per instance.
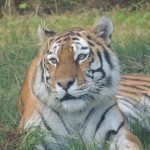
[27, 100]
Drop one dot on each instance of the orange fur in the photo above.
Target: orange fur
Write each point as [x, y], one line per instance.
[27, 100]
[135, 140]
[134, 86]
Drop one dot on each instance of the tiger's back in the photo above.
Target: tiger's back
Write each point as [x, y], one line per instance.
[134, 98]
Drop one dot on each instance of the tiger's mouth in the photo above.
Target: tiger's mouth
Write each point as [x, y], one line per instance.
[68, 97]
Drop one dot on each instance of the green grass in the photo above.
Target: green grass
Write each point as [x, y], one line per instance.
[134, 55]
[19, 44]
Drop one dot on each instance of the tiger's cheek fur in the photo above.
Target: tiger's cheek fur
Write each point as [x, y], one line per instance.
[50, 70]
[85, 65]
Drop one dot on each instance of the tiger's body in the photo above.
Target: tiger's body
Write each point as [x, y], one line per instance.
[70, 90]
[134, 99]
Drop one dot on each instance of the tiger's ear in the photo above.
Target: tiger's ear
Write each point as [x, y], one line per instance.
[44, 33]
[103, 28]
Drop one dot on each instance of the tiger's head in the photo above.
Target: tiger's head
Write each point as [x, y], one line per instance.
[77, 68]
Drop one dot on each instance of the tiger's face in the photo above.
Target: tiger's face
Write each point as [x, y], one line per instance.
[68, 63]
[78, 69]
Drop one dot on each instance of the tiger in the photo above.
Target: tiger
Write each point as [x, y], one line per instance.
[70, 90]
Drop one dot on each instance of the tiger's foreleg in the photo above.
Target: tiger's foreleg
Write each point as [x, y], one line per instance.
[125, 140]
[53, 142]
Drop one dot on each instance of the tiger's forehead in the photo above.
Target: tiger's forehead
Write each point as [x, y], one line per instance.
[75, 39]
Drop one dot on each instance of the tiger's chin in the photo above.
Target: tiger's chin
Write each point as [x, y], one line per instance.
[69, 97]
[71, 104]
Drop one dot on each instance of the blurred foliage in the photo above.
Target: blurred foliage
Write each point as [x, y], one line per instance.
[16, 7]
[23, 6]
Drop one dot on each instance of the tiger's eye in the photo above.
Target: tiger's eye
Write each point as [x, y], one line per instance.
[81, 57]
[53, 60]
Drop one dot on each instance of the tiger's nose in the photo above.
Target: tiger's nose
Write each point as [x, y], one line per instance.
[65, 84]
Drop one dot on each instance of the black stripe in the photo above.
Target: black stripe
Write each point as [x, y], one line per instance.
[91, 61]
[45, 123]
[66, 39]
[126, 91]
[134, 79]
[35, 94]
[42, 70]
[91, 52]
[147, 95]
[130, 115]
[90, 43]
[58, 38]
[49, 33]
[72, 33]
[127, 103]
[78, 34]
[125, 99]
[88, 75]
[89, 37]
[49, 52]
[55, 47]
[67, 34]
[133, 93]
[89, 114]
[47, 78]
[107, 83]
[100, 44]
[61, 120]
[103, 117]
[99, 70]
[88, 117]
[75, 39]
[47, 126]
[138, 86]
[90, 96]
[110, 133]
[77, 43]
[133, 86]
[50, 40]
[83, 48]
[59, 41]
[107, 57]
[100, 58]
[146, 86]
[38, 96]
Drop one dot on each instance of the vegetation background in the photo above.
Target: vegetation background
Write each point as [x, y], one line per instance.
[19, 20]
